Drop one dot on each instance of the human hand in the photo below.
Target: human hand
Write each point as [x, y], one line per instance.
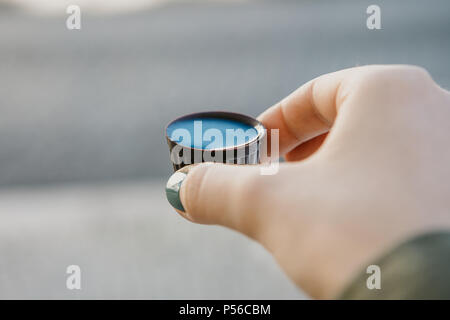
[367, 167]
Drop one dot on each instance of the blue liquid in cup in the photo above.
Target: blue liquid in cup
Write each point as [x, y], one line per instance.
[210, 133]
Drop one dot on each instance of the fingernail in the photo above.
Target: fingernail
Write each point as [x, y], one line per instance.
[173, 187]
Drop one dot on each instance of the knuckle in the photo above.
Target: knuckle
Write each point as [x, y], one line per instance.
[388, 85]
[403, 77]
[251, 199]
[249, 189]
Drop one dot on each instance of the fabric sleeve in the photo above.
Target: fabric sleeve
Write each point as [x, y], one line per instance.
[417, 269]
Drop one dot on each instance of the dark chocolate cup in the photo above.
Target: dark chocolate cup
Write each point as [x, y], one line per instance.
[247, 153]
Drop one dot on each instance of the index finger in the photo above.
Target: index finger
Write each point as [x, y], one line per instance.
[308, 112]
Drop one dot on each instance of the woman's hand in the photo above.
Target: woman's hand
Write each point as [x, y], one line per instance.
[368, 153]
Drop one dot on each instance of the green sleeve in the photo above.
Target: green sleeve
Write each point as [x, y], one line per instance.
[416, 269]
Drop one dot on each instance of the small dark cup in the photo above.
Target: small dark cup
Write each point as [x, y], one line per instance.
[246, 153]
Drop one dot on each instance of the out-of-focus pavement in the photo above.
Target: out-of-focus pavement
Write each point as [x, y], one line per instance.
[92, 104]
[128, 244]
[83, 111]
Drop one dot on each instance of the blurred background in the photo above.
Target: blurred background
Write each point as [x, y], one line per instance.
[83, 159]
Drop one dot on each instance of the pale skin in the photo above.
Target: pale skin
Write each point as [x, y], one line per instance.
[368, 166]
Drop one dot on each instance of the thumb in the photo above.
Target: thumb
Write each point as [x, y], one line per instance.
[213, 193]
